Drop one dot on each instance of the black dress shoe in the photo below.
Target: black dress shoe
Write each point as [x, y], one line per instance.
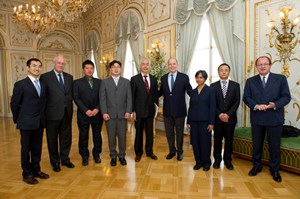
[276, 176]
[170, 156]
[180, 157]
[56, 167]
[68, 164]
[197, 166]
[85, 162]
[216, 165]
[254, 171]
[30, 180]
[228, 165]
[41, 175]
[138, 158]
[113, 162]
[206, 168]
[123, 161]
[97, 160]
[152, 156]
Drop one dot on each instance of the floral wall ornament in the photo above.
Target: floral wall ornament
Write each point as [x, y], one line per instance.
[284, 39]
[158, 65]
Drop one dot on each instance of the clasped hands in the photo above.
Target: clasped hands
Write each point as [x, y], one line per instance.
[264, 107]
[92, 113]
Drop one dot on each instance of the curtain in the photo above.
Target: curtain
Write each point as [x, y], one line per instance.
[186, 41]
[227, 23]
[129, 29]
[92, 46]
[228, 30]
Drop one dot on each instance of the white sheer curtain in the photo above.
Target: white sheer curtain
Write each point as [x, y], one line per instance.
[129, 28]
[92, 46]
[228, 30]
[227, 24]
[186, 41]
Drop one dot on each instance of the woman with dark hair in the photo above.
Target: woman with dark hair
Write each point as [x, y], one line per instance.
[201, 120]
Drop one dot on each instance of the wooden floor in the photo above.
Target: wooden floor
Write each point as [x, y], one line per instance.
[148, 179]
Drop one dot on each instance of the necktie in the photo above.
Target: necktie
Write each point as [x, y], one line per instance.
[37, 87]
[264, 82]
[116, 80]
[147, 84]
[172, 81]
[90, 80]
[224, 88]
[61, 82]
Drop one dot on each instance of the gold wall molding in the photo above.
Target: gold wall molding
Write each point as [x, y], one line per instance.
[258, 45]
[108, 22]
[158, 11]
[19, 36]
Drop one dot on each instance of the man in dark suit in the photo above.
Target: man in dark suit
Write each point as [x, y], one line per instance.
[144, 105]
[174, 86]
[28, 104]
[59, 111]
[266, 94]
[228, 99]
[116, 107]
[86, 96]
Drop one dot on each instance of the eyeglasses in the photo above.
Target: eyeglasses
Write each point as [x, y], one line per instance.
[115, 67]
[264, 64]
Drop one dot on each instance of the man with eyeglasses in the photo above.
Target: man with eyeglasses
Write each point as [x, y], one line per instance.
[266, 94]
[116, 107]
[59, 111]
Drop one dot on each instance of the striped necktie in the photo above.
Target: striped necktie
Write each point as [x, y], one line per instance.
[224, 88]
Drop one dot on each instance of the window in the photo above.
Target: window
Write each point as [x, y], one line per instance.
[206, 56]
[95, 68]
[129, 66]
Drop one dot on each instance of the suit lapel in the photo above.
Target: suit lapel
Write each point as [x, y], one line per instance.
[258, 82]
[29, 82]
[54, 79]
[142, 82]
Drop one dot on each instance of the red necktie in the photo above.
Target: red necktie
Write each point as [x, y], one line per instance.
[147, 84]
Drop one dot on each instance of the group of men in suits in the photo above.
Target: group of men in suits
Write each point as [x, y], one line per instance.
[48, 103]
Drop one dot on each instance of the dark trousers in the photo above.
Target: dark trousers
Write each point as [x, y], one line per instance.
[226, 131]
[59, 131]
[176, 124]
[140, 124]
[31, 150]
[84, 127]
[201, 143]
[274, 140]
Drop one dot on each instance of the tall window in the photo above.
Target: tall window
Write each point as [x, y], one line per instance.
[129, 66]
[206, 56]
[95, 68]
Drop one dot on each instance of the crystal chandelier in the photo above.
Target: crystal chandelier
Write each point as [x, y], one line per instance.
[42, 16]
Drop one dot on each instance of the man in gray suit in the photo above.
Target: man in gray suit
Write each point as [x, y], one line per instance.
[116, 107]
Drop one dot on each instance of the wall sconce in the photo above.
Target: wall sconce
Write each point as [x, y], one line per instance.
[105, 63]
[285, 40]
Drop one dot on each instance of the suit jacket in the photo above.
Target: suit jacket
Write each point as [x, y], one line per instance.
[58, 99]
[174, 104]
[142, 102]
[276, 90]
[115, 100]
[28, 108]
[202, 106]
[230, 103]
[86, 98]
